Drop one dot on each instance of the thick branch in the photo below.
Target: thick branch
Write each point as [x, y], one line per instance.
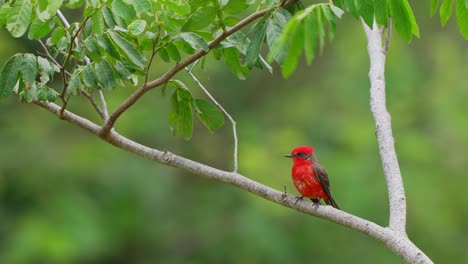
[396, 241]
[133, 98]
[396, 192]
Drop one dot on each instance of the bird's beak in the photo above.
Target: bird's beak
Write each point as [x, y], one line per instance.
[288, 156]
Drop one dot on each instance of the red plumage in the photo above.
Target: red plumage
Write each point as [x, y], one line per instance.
[309, 177]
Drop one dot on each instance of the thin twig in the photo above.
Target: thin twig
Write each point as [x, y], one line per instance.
[388, 36]
[153, 53]
[46, 50]
[233, 122]
[93, 102]
[63, 19]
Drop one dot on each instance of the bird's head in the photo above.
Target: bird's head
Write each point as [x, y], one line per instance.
[301, 154]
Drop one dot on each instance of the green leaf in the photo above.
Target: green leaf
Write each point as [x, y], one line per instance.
[108, 17]
[255, 46]
[122, 9]
[137, 27]
[173, 52]
[414, 25]
[105, 74]
[53, 6]
[181, 85]
[107, 46]
[19, 18]
[366, 10]
[74, 84]
[185, 120]
[40, 29]
[234, 7]
[46, 69]
[446, 11]
[42, 91]
[72, 4]
[275, 26]
[97, 21]
[9, 75]
[57, 35]
[231, 57]
[180, 8]
[164, 55]
[294, 52]
[52, 95]
[194, 40]
[128, 49]
[462, 17]
[209, 114]
[320, 28]
[200, 19]
[195, 4]
[350, 6]
[434, 6]
[28, 69]
[331, 18]
[181, 118]
[142, 6]
[310, 37]
[92, 47]
[5, 10]
[28, 93]
[123, 72]
[403, 17]
[381, 12]
[89, 76]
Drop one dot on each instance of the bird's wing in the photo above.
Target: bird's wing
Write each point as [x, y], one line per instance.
[322, 177]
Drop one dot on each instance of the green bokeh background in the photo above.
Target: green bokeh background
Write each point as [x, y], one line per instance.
[67, 197]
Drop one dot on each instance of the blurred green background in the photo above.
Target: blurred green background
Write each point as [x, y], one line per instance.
[67, 197]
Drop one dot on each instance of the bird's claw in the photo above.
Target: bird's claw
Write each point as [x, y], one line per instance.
[316, 205]
[298, 199]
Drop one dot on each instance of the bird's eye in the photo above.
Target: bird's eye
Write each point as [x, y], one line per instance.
[300, 154]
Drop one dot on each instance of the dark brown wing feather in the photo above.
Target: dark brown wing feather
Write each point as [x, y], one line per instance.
[322, 177]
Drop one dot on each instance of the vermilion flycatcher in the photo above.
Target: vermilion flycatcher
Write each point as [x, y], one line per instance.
[309, 177]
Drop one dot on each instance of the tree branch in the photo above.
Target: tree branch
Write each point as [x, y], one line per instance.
[93, 103]
[133, 98]
[233, 122]
[396, 192]
[398, 242]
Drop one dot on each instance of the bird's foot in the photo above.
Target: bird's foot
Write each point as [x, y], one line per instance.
[316, 203]
[299, 199]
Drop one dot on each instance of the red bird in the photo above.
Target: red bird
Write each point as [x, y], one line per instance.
[309, 177]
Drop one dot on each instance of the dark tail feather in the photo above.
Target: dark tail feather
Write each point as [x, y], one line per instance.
[332, 202]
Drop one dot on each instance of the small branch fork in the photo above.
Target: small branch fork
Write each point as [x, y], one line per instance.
[135, 96]
[233, 122]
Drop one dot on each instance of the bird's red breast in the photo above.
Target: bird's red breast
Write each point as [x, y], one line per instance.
[306, 182]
